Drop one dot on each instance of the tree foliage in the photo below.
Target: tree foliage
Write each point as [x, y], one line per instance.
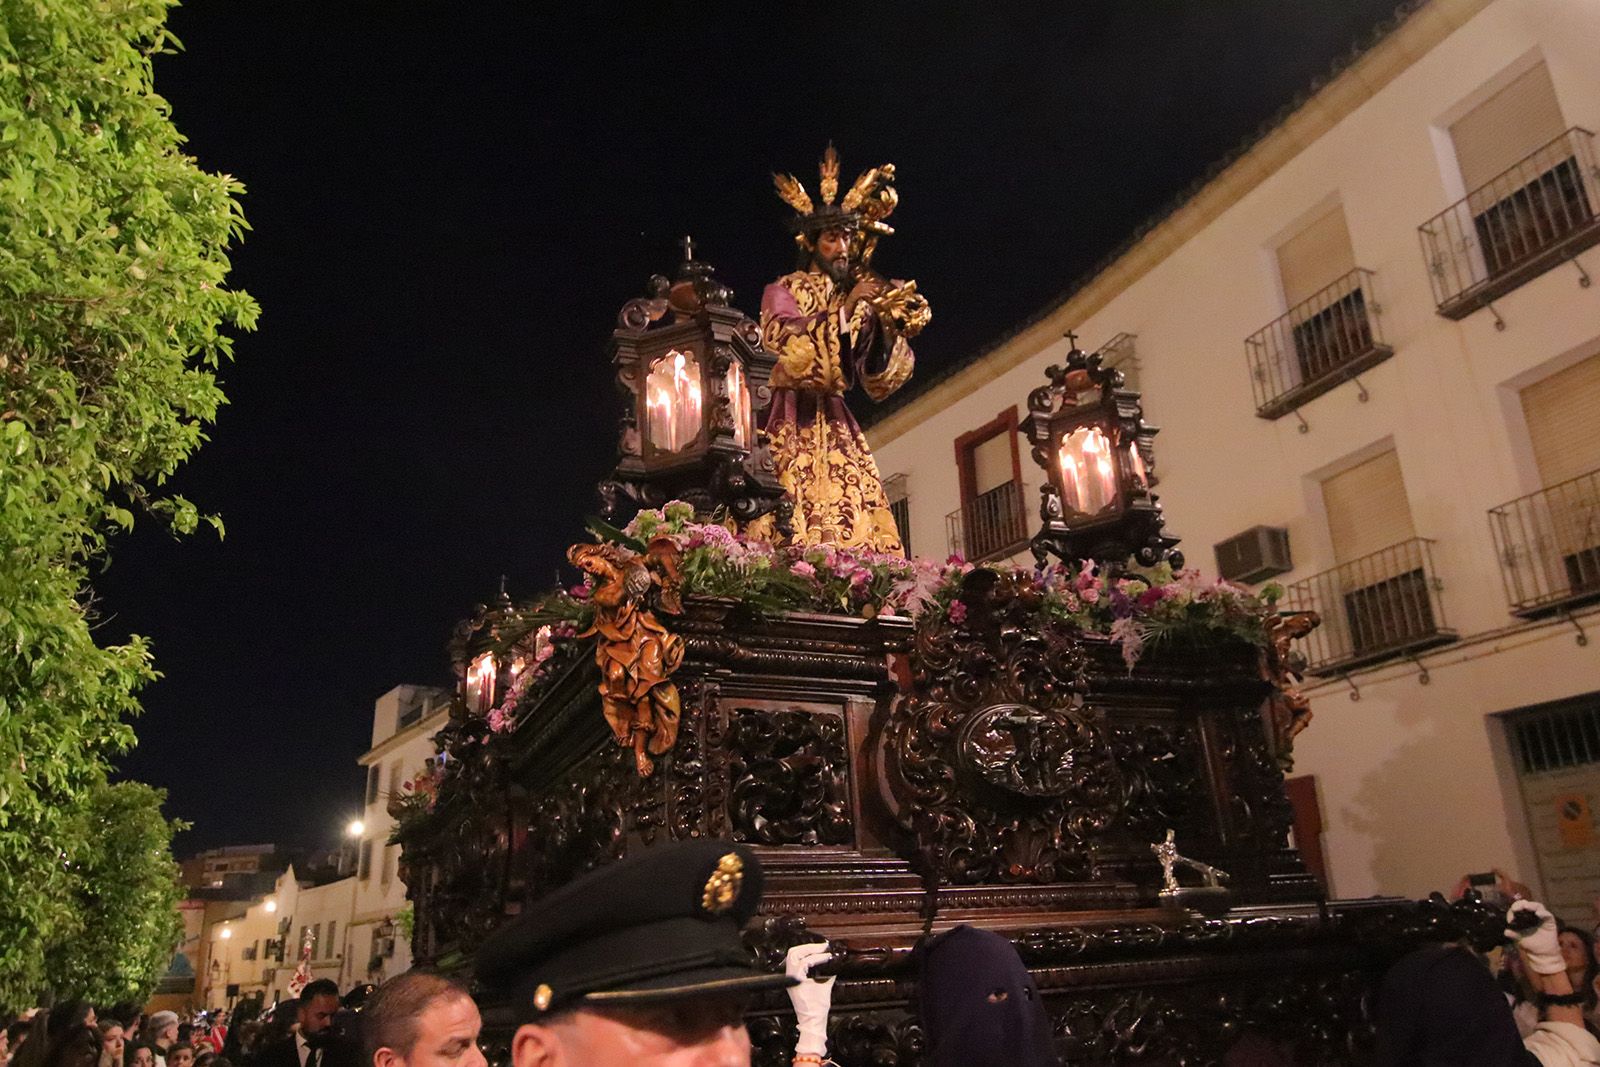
[125, 921]
[112, 310]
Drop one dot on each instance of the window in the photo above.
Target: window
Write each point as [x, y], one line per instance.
[1549, 541]
[992, 520]
[316, 939]
[894, 487]
[1382, 577]
[1316, 257]
[1367, 508]
[410, 713]
[372, 784]
[1563, 424]
[1507, 128]
[394, 779]
[364, 865]
[1531, 195]
[388, 864]
[328, 952]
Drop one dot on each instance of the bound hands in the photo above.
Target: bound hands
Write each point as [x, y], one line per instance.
[811, 997]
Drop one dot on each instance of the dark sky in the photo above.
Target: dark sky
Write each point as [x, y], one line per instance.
[449, 203]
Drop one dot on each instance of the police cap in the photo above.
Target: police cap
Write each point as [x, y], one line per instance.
[658, 926]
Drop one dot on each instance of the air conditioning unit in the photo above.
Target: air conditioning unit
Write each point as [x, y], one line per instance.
[1255, 555]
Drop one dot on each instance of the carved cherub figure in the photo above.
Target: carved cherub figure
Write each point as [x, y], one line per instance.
[636, 653]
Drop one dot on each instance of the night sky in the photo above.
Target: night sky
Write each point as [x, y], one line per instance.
[449, 203]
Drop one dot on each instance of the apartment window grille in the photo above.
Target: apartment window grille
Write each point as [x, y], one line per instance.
[1319, 343]
[1548, 541]
[1557, 739]
[1532, 197]
[1373, 608]
[992, 520]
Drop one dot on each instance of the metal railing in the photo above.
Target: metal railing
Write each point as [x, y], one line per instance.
[993, 525]
[1315, 345]
[1518, 225]
[1549, 545]
[1373, 608]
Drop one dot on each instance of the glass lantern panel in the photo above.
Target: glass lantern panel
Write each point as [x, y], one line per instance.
[1088, 471]
[739, 404]
[481, 677]
[672, 401]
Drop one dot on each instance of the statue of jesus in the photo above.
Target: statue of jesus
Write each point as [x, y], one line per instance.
[833, 322]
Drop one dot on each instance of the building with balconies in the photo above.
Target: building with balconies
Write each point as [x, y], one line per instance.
[1372, 346]
[404, 721]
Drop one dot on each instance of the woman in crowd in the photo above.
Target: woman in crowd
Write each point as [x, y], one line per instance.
[78, 1046]
[1577, 952]
[141, 1056]
[112, 1043]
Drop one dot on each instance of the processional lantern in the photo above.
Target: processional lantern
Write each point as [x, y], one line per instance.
[1089, 435]
[695, 379]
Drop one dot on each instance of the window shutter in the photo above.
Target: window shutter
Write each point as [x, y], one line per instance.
[1367, 508]
[1563, 413]
[991, 463]
[1316, 257]
[1509, 126]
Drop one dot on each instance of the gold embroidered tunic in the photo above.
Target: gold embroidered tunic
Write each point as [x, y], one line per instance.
[818, 449]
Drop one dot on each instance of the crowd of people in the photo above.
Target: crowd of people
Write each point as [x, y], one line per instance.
[640, 964]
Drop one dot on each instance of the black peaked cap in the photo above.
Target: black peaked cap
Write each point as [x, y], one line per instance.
[658, 926]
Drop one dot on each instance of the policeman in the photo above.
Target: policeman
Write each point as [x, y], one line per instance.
[638, 963]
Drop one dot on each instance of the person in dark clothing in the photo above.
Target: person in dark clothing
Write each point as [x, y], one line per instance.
[980, 1006]
[315, 1044]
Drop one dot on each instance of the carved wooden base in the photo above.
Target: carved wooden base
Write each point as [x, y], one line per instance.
[1016, 782]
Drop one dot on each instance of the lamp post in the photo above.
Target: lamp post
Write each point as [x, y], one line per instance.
[1089, 435]
[354, 830]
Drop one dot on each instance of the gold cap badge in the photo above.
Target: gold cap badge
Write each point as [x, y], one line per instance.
[542, 997]
[722, 888]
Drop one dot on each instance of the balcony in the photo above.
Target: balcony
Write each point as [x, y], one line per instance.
[1519, 225]
[1374, 608]
[1318, 343]
[1549, 546]
[992, 526]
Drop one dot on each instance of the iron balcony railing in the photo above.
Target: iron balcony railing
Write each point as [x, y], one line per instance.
[993, 525]
[1373, 608]
[1519, 225]
[1549, 546]
[1317, 344]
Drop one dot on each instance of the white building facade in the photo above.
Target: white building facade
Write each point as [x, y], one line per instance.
[404, 721]
[1374, 331]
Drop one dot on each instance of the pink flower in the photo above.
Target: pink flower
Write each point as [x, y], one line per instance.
[958, 612]
[803, 569]
[497, 721]
[1090, 595]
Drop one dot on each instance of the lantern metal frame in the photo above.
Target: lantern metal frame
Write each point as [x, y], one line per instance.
[1133, 530]
[715, 471]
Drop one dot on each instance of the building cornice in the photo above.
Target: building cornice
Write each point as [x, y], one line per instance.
[394, 741]
[1419, 32]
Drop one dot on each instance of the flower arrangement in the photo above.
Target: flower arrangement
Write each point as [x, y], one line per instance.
[1133, 609]
[418, 795]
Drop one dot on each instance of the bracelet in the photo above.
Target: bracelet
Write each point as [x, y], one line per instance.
[803, 1058]
[1561, 1000]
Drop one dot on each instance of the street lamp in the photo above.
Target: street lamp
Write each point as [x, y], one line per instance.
[270, 905]
[356, 828]
[1089, 435]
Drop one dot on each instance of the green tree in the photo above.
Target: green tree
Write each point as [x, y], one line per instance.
[125, 922]
[112, 306]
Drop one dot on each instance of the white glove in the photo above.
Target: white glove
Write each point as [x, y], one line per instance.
[811, 998]
[1540, 946]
